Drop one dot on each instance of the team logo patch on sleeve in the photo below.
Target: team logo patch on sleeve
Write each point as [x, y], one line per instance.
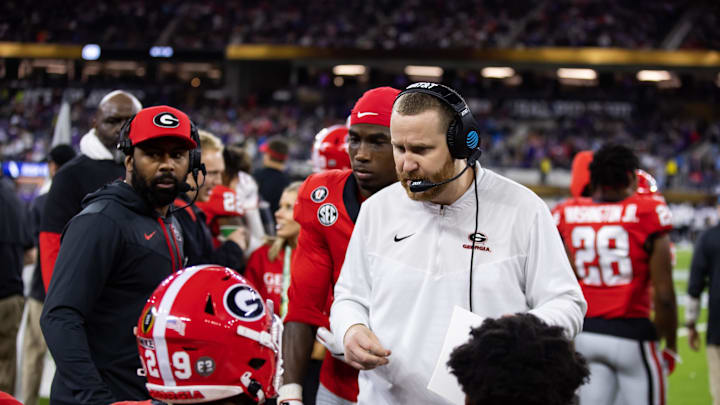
[319, 194]
[327, 214]
[243, 302]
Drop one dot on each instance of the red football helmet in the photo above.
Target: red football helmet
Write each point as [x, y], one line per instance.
[646, 183]
[206, 334]
[330, 149]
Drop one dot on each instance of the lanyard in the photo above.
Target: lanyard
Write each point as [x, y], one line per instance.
[286, 280]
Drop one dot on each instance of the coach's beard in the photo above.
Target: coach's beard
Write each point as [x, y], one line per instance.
[157, 197]
[446, 171]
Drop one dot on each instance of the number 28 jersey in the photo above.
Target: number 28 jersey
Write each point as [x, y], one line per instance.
[608, 244]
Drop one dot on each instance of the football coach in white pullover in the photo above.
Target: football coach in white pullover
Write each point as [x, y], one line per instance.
[415, 242]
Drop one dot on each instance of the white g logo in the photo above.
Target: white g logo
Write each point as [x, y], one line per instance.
[166, 120]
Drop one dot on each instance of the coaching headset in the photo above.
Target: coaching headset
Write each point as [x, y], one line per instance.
[463, 140]
[195, 165]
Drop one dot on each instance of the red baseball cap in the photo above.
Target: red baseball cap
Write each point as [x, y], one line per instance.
[161, 121]
[374, 107]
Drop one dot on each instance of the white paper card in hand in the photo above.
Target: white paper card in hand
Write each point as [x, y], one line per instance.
[442, 382]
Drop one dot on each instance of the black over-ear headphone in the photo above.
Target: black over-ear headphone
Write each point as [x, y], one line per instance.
[463, 135]
[195, 163]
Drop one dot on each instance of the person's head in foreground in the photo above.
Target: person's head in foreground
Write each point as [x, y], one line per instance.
[518, 360]
[206, 336]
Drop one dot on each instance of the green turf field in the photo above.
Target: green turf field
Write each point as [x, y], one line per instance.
[689, 383]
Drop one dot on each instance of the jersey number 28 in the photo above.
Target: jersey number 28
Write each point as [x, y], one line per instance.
[602, 257]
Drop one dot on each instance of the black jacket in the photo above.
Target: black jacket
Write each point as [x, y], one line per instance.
[15, 237]
[705, 271]
[76, 179]
[113, 255]
[198, 242]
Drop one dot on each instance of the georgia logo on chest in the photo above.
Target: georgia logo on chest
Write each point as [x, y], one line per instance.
[273, 282]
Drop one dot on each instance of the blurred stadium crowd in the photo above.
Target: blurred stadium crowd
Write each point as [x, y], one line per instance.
[373, 24]
[523, 127]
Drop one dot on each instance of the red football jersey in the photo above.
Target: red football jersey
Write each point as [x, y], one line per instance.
[267, 275]
[326, 209]
[606, 242]
[223, 202]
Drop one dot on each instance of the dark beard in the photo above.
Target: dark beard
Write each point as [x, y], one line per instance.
[446, 171]
[148, 190]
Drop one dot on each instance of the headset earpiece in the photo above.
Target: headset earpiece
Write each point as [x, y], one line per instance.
[124, 143]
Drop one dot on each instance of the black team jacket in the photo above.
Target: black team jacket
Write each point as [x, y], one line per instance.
[113, 255]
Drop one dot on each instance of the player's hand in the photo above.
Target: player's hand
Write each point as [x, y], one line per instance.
[693, 337]
[290, 394]
[327, 339]
[240, 237]
[363, 349]
[670, 358]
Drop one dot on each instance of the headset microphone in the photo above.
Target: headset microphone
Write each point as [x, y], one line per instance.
[418, 186]
[185, 187]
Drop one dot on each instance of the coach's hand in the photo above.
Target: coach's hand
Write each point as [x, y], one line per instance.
[363, 349]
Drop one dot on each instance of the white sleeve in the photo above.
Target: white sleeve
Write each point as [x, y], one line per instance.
[352, 291]
[551, 288]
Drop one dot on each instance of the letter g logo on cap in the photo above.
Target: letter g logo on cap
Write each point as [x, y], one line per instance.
[166, 120]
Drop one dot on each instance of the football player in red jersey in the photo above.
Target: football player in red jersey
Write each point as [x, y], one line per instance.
[618, 242]
[206, 336]
[330, 149]
[327, 206]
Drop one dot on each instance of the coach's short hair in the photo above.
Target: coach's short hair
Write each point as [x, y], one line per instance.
[416, 103]
[518, 360]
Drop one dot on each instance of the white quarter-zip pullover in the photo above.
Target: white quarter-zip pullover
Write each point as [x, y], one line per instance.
[407, 266]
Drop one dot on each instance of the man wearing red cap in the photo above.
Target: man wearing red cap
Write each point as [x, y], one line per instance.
[113, 254]
[327, 207]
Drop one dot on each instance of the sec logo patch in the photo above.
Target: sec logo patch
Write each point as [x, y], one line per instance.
[327, 214]
[319, 194]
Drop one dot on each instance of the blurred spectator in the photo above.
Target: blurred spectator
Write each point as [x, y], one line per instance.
[705, 272]
[98, 164]
[197, 238]
[15, 238]
[271, 178]
[237, 177]
[33, 346]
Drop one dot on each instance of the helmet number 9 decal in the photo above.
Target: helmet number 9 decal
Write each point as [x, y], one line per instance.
[180, 365]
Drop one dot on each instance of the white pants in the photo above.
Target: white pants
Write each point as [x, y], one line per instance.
[325, 397]
[622, 371]
[713, 357]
